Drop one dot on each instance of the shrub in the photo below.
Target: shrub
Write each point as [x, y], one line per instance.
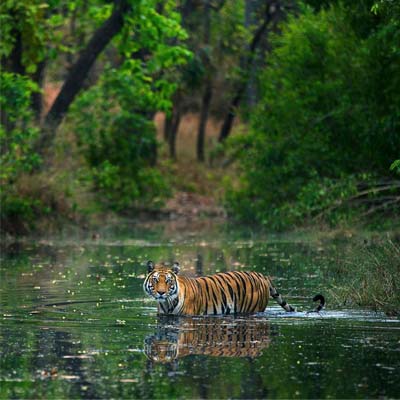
[17, 139]
[118, 141]
[329, 114]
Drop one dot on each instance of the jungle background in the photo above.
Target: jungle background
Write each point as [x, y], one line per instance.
[275, 113]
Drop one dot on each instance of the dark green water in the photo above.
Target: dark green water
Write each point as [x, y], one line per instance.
[76, 324]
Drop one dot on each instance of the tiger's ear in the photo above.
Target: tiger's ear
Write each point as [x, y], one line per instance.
[150, 266]
[175, 268]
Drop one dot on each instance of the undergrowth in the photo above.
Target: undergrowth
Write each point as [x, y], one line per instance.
[369, 277]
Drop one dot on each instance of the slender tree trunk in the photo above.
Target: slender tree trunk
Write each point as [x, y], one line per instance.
[14, 61]
[167, 127]
[37, 97]
[206, 100]
[234, 104]
[230, 116]
[176, 119]
[250, 10]
[205, 107]
[79, 71]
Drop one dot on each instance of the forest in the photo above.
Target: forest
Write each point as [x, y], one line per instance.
[276, 113]
[250, 141]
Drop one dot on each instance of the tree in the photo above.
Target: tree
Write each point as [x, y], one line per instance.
[79, 71]
[207, 90]
[326, 129]
[273, 13]
[109, 109]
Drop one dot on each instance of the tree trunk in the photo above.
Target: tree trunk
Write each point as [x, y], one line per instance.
[13, 63]
[37, 97]
[250, 10]
[79, 72]
[206, 100]
[229, 118]
[167, 127]
[176, 119]
[205, 107]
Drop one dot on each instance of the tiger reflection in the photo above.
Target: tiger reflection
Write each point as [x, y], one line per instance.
[207, 336]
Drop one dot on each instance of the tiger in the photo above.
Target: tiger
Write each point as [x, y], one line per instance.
[224, 293]
[220, 337]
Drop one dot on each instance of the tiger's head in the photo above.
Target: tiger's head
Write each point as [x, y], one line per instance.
[161, 282]
[161, 347]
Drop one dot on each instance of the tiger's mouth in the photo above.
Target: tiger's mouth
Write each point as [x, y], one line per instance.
[161, 297]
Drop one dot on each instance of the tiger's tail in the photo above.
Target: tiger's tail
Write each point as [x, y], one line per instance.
[321, 304]
[287, 307]
[278, 298]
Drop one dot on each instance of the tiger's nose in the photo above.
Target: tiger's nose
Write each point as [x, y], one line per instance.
[160, 292]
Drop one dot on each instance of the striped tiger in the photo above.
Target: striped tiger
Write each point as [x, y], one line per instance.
[235, 292]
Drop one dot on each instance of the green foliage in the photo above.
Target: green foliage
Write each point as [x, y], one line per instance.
[113, 119]
[395, 166]
[17, 133]
[369, 277]
[17, 137]
[36, 24]
[28, 19]
[118, 142]
[329, 112]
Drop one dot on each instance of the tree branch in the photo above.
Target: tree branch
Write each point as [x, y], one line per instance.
[80, 70]
[258, 34]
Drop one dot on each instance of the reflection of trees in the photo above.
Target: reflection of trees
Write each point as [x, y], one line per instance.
[40, 358]
[56, 349]
[219, 337]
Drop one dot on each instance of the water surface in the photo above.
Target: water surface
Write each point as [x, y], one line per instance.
[75, 323]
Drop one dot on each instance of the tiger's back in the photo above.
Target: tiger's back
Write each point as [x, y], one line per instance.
[224, 293]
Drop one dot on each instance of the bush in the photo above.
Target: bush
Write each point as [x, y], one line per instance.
[17, 132]
[118, 141]
[330, 112]
[17, 139]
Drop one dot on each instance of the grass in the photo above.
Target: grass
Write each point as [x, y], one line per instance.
[370, 277]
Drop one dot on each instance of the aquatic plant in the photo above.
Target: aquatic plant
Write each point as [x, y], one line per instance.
[370, 277]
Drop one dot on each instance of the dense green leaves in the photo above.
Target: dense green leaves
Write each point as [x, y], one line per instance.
[112, 119]
[330, 111]
[17, 138]
[17, 133]
[324, 113]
